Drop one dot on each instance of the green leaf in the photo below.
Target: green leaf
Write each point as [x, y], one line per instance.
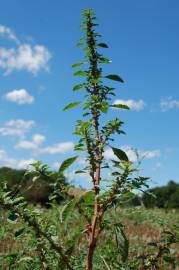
[81, 73]
[105, 60]
[26, 259]
[114, 78]
[71, 105]
[79, 171]
[104, 107]
[78, 87]
[120, 106]
[103, 45]
[68, 208]
[19, 232]
[66, 164]
[122, 242]
[120, 154]
[87, 198]
[78, 64]
[12, 218]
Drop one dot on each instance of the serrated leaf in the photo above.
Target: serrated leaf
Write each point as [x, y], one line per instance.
[114, 78]
[78, 87]
[80, 73]
[103, 45]
[78, 64]
[71, 105]
[120, 154]
[66, 164]
[120, 106]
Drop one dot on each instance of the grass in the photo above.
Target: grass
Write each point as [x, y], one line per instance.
[142, 226]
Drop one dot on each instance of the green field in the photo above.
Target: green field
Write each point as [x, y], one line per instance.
[141, 226]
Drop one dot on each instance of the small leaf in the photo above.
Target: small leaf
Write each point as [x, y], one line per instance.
[81, 73]
[71, 105]
[26, 259]
[114, 78]
[12, 218]
[120, 154]
[19, 232]
[104, 107]
[103, 45]
[120, 106]
[79, 171]
[78, 87]
[66, 164]
[78, 64]
[105, 60]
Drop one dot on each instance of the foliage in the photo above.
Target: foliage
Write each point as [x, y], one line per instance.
[87, 232]
[36, 187]
[163, 197]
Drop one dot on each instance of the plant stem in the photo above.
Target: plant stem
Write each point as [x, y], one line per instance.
[93, 59]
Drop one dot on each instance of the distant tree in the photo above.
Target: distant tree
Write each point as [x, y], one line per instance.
[164, 197]
[34, 190]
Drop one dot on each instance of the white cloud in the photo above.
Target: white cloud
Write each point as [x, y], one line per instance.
[25, 163]
[168, 104]
[37, 140]
[136, 105]
[7, 161]
[59, 148]
[132, 154]
[6, 32]
[23, 56]
[17, 127]
[19, 96]
[150, 154]
[157, 166]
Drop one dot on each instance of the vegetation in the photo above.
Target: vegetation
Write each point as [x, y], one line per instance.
[34, 187]
[92, 230]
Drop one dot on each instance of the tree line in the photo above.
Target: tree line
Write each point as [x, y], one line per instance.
[40, 190]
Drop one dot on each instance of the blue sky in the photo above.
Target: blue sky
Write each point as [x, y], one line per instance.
[37, 48]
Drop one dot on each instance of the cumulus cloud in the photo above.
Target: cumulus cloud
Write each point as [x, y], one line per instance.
[136, 105]
[17, 127]
[59, 148]
[25, 163]
[36, 145]
[7, 161]
[168, 104]
[132, 154]
[19, 96]
[23, 56]
[6, 32]
[37, 140]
